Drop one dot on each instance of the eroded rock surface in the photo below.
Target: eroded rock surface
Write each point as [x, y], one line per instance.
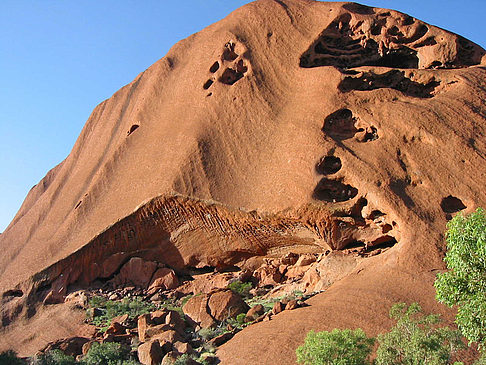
[335, 129]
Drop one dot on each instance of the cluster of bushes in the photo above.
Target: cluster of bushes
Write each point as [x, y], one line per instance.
[99, 354]
[106, 310]
[417, 338]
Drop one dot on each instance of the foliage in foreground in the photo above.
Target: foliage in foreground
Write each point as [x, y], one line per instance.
[108, 353]
[464, 285]
[10, 357]
[54, 357]
[338, 347]
[417, 339]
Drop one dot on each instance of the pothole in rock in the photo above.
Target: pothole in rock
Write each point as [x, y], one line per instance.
[229, 53]
[340, 125]
[371, 134]
[132, 129]
[214, 67]
[451, 204]
[393, 79]
[334, 191]
[207, 84]
[388, 39]
[343, 45]
[329, 165]
[16, 293]
[231, 75]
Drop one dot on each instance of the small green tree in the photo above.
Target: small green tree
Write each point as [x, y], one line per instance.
[338, 347]
[416, 339]
[464, 285]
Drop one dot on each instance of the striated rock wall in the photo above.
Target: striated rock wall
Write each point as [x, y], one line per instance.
[184, 232]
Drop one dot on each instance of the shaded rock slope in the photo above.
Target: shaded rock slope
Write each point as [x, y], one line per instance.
[289, 126]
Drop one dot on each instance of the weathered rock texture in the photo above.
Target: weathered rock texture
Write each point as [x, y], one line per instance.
[290, 125]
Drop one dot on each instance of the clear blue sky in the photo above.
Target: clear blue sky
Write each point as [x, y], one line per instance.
[59, 59]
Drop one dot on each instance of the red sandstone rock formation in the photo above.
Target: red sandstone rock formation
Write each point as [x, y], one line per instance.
[290, 125]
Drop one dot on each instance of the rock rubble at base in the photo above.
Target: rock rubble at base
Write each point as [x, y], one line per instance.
[195, 314]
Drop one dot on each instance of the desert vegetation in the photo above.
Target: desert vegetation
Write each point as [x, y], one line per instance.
[418, 338]
[137, 326]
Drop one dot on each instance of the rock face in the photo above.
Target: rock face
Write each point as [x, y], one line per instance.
[290, 125]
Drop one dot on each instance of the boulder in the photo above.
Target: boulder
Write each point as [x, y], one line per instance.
[150, 353]
[152, 325]
[158, 317]
[58, 291]
[142, 325]
[169, 335]
[170, 358]
[164, 279]
[267, 275]
[305, 260]
[196, 309]
[156, 330]
[225, 304]
[115, 329]
[77, 298]
[123, 319]
[310, 279]
[296, 272]
[183, 348]
[292, 304]
[137, 272]
[174, 319]
[255, 312]
[278, 307]
[112, 264]
[205, 283]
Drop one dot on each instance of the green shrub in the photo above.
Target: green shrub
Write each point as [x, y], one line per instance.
[182, 360]
[464, 285]
[416, 339]
[240, 318]
[10, 357]
[54, 357]
[111, 309]
[240, 288]
[209, 333]
[338, 347]
[173, 305]
[97, 302]
[107, 353]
